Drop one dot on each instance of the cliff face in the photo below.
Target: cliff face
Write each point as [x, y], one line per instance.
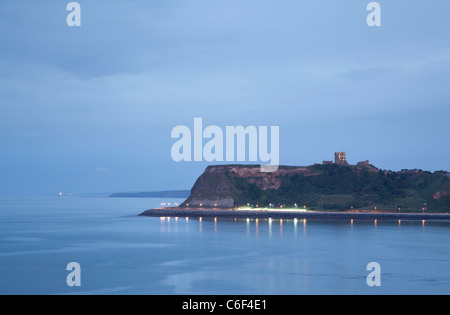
[216, 187]
[326, 187]
[212, 189]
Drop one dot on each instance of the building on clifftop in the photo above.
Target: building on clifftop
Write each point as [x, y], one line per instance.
[340, 158]
[364, 163]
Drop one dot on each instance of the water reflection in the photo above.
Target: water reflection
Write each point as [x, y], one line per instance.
[270, 228]
[176, 224]
[248, 226]
[257, 227]
[329, 260]
[215, 225]
[163, 224]
[265, 227]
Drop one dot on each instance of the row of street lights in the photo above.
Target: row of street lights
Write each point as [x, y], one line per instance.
[272, 206]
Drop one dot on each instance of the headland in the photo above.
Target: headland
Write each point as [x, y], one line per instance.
[328, 190]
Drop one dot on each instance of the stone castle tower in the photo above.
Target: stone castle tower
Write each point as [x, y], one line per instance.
[340, 158]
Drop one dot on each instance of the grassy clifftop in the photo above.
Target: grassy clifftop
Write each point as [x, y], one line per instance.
[322, 187]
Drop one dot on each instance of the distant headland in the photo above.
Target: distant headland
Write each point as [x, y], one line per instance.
[327, 187]
[153, 194]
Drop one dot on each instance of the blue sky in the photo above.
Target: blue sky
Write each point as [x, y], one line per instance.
[91, 109]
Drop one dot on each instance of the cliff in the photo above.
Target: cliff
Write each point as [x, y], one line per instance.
[322, 187]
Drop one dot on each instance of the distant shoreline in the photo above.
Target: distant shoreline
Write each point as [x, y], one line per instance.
[251, 214]
[179, 194]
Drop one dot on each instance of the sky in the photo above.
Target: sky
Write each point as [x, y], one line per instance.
[90, 109]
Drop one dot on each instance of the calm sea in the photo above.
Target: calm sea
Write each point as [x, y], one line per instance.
[121, 253]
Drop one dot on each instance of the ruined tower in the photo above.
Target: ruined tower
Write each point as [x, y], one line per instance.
[340, 158]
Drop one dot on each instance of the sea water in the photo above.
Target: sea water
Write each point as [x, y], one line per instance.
[122, 253]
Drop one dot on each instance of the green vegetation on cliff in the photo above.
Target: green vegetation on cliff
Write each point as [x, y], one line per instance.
[326, 187]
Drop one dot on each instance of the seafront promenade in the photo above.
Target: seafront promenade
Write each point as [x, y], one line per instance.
[275, 214]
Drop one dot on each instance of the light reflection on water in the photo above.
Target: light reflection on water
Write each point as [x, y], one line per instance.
[330, 257]
[253, 225]
[121, 253]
